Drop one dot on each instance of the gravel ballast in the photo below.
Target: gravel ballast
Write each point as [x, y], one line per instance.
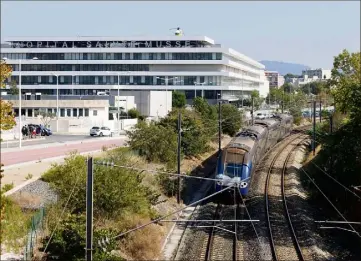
[35, 195]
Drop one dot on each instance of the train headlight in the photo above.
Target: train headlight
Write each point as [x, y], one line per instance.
[243, 184]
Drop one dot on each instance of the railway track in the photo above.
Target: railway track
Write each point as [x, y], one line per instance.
[283, 240]
[222, 242]
[216, 241]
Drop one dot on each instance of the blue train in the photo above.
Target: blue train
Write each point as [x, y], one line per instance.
[237, 161]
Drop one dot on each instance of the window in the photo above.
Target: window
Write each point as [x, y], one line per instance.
[75, 112]
[80, 112]
[62, 112]
[68, 112]
[95, 113]
[30, 112]
[86, 112]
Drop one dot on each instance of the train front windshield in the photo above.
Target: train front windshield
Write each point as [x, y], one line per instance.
[234, 162]
[233, 170]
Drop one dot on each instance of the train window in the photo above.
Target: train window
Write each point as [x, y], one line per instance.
[233, 170]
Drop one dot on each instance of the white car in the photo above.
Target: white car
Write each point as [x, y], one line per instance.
[100, 131]
[260, 116]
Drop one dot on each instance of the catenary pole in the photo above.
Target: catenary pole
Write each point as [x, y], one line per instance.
[314, 129]
[89, 211]
[219, 128]
[179, 155]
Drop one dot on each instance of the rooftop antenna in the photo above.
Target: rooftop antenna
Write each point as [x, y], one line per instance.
[178, 31]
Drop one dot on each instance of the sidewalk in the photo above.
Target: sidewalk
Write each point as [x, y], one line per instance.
[33, 155]
[59, 144]
[17, 174]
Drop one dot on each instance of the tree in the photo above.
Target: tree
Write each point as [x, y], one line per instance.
[45, 117]
[257, 100]
[208, 114]
[276, 96]
[178, 99]
[133, 113]
[155, 142]
[290, 75]
[195, 136]
[231, 119]
[7, 119]
[14, 90]
[346, 82]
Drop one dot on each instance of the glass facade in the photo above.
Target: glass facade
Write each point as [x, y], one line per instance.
[99, 64]
[113, 80]
[114, 56]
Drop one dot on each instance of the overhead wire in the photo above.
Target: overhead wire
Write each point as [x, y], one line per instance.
[249, 216]
[174, 212]
[329, 201]
[104, 163]
[339, 183]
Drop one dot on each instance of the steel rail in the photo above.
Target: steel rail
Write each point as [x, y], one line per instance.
[284, 169]
[272, 244]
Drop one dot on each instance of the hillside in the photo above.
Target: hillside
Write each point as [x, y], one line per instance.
[283, 68]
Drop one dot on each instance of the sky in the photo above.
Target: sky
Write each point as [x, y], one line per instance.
[309, 32]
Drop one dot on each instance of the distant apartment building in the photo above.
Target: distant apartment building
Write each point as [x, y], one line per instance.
[310, 75]
[319, 73]
[275, 79]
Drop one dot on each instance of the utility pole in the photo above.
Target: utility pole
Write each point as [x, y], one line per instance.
[283, 98]
[219, 128]
[320, 110]
[179, 154]
[314, 129]
[89, 211]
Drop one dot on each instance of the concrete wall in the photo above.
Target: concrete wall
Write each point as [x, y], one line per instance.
[72, 126]
[160, 103]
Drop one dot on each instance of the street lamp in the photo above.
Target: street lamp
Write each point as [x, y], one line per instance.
[57, 101]
[166, 88]
[20, 123]
[126, 105]
[195, 84]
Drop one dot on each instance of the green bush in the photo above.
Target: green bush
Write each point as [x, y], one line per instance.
[133, 113]
[68, 242]
[168, 184]
[14, 224]
[7, 187]
[115, 189]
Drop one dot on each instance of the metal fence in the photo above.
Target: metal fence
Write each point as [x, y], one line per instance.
[35, 227]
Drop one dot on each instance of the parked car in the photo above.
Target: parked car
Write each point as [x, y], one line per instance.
[100, 131]
[41, 130]
[260, 116]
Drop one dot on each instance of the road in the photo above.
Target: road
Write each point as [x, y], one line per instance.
[51, 139]
[16, 157]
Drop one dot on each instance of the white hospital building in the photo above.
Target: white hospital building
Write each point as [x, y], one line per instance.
[88, 71]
